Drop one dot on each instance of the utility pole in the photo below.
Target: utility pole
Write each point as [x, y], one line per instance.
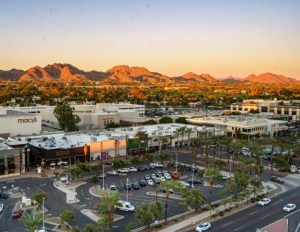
[103, 176]
[193, 176]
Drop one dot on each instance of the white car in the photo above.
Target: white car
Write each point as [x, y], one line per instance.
[289, 207]
[113, 188]
[123, 170]
[1, 207]
[167, 176]
[203, 227]
[162, 178]
[184, 184]
[153, 176]
[264, 201]
[158, 165]
[125, 206]
[150, 182]
[133, 169]
[112, 173]
[224, 177]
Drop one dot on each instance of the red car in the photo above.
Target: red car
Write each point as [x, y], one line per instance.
[17, 213]
[174, 175]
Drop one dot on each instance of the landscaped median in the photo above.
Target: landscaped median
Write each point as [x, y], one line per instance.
[190, 219]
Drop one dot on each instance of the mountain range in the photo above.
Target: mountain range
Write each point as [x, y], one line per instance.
[124, 73]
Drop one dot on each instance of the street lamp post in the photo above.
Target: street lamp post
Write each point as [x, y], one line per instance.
[193, 176]
[176, 162]
[43, 228]
[127, 186]
[230, 166]
[103, 176]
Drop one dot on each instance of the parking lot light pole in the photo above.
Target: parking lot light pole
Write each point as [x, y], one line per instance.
[230, 166]
[176, 163]
[193, 176]
[103, 176]
[43, 228]
[127, 187]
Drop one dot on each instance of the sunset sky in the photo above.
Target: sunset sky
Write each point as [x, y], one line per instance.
[173, 37]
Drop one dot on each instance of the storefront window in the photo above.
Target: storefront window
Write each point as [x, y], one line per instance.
[2, 167]
[11, 165]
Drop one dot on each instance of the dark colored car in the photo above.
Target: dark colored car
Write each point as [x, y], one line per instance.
[135, 186]
[142, 183]
[171, 191]
[195, 181]
[158, 174]
[141, 168]
[17, 213]
[127, 186]
[4, 195]
[147, 167]
[277, 179]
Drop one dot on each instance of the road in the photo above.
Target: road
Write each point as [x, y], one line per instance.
[254, 217]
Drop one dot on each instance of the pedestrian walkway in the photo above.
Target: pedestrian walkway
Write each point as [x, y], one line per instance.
[194, 220]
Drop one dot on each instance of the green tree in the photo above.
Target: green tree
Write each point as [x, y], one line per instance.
[212, 173]
[147, 213]
[165, 119]
[95, 180]
[181, 120]
[142, 137]
[66, 216]
[32, 221]
[65, 117]
[109, 200]
[150, 122]
[194, 198]
[38, 197]
[168, 186]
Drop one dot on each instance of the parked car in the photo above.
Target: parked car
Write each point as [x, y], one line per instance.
[224, 177]
[4, 195]
[125, 206]
[1, 207]
[151, 165]
[184, 184]
[203, 227]
[264, 201]
[141, 168]
[153, 176]
[102, 176]
[127, 186]
[123, 170]
[135, 186]
[277, 179]
[113, 188]
[150, 182]
[158, 165]
[133, 169]
[147, 177]
[17, 213]
[163, 190]
[289, 207]
[195, 181]
[142, 183]
[112, 173]
[157, 180]
[162, 178]
[158, 173]
[174, 175]
[167, 176]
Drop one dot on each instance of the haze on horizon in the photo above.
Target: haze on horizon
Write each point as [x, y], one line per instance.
[172, 37]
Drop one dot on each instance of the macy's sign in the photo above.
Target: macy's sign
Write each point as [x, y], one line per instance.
[27, 120]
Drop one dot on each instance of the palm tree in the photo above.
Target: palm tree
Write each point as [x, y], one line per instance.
[188, 131]
[108, 202]
[32, 221]
[212, 173]
[167, 186]
[141, 136]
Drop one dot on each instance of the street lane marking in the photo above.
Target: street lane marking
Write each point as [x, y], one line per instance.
[295, 194]
[275, 203]
[265, 216]
[239, 228]
[227, 224]
[253, 212]
[297, 227]
[292, 213]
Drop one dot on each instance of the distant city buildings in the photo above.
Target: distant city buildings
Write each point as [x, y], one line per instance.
[280, 108]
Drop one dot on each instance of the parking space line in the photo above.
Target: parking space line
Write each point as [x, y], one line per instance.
[239, 228]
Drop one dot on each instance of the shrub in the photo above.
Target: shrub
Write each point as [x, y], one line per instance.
[221, 213]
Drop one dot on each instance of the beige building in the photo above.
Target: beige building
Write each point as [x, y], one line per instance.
[13, 122]
[245, 126]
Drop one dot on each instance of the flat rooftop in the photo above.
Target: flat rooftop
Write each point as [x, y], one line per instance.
[15, 113]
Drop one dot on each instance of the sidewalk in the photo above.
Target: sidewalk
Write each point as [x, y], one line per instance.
[197, 218]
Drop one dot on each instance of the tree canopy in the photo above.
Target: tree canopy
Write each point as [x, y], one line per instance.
[65, 117]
